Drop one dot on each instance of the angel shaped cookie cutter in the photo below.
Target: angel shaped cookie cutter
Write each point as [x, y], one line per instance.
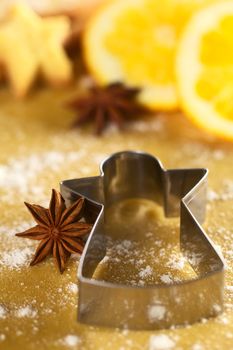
[181, 192]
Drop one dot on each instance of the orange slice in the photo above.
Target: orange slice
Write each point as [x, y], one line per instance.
[205, 69]
[135, 41]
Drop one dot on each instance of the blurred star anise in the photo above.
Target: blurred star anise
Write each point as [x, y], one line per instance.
[112, 103]
[58, 228]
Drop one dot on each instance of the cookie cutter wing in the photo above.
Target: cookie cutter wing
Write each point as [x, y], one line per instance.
[182, 192]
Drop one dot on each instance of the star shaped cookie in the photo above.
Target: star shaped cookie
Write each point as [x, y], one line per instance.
[29, 45]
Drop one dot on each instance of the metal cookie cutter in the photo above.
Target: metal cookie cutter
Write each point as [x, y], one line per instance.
[181, 192]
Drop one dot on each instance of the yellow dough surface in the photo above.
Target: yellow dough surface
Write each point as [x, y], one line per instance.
[38, 305]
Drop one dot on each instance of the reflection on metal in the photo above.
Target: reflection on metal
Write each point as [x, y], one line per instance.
[182, 193]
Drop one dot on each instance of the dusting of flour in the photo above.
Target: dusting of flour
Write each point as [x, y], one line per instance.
[161, 342]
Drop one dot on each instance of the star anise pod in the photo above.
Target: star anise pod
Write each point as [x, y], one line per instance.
[113, 103]
[58, 228]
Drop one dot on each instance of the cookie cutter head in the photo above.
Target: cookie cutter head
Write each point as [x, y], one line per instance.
[181, 192]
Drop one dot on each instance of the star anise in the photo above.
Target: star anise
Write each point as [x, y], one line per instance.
[113, 103]
[58, 228]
